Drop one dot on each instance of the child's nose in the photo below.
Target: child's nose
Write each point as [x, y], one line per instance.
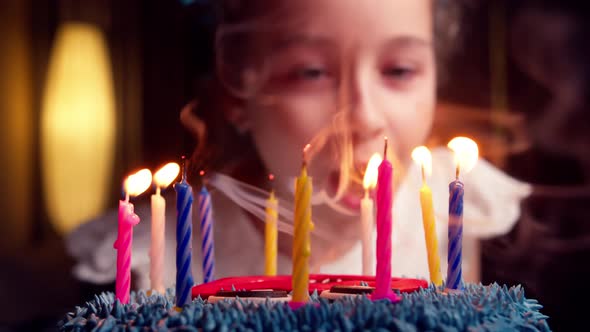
[366, 125]
[366, 120]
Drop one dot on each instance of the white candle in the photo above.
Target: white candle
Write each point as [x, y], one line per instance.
[367, 222]
[162, 179]
[158, 242]
[367, 215]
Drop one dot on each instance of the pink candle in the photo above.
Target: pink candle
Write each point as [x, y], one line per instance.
[384, 202]
[134, 185]
[127, 219]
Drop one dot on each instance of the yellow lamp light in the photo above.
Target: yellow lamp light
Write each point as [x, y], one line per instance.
[77, 126]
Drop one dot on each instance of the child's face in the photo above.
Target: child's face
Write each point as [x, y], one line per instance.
[371, 60]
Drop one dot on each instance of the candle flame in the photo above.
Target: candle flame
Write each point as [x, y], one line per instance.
[305, 154]
[422, 156]
[466, 153]
[137, 183]
[370, 179]
[165, 175]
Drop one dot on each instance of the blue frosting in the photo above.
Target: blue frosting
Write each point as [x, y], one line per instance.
[477, 308]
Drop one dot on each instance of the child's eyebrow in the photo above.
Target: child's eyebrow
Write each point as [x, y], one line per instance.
[325, 42]
[408, 41]
[304, 40]
[396, 42]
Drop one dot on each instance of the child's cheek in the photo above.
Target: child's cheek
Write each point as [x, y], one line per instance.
[301, 116]
[413, 130]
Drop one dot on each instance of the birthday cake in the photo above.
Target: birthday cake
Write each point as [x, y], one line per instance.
[336, 303]
[304, 302]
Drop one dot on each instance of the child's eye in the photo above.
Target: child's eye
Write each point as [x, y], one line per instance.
[399, 73]
[310, 73]
[303, 77]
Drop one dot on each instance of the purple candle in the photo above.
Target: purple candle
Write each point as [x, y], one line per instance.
[466, 155]
[207, 248]
[184, 237]
[454, 270]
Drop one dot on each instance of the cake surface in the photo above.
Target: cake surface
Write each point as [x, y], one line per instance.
[477, 308]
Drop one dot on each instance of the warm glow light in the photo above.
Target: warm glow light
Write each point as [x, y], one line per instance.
[137, 183]
[165, 175]
[370, 179]
[466, 153]
[77, 127]
[422, 156]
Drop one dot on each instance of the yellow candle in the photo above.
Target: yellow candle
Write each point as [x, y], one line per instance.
[302, 240]
[270, 236]
[422, 157]
[430, 234]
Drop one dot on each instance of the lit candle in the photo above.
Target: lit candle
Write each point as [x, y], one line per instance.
[271, 234]
[206, 222]
[184, 234]
[466, 154]
[302, 240]
[384, 228]
[367, 216]
[134, 185]
[423, 158]
[162, 179]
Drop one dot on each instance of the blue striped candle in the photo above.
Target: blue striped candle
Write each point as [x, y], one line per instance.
[184, 231]
[456, 192]
[205, 216]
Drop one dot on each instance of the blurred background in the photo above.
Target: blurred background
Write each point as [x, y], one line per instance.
[518, 81]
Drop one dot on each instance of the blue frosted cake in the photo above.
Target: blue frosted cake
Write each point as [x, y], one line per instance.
[477, 308]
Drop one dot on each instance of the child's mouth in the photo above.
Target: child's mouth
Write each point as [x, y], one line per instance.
[351, 198]
[352, 202]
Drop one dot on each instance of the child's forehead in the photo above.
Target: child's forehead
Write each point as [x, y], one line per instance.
[313, 20]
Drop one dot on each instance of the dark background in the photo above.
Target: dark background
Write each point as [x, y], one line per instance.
[161, 53]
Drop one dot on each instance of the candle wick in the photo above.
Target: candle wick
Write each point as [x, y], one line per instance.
[423, 174]
[457, 170]
[126, 197]
[183, 168]
[271, 179]
[157, 190]
[366, 193]
[385, 149]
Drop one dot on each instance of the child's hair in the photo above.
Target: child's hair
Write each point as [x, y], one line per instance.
[219, 144]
